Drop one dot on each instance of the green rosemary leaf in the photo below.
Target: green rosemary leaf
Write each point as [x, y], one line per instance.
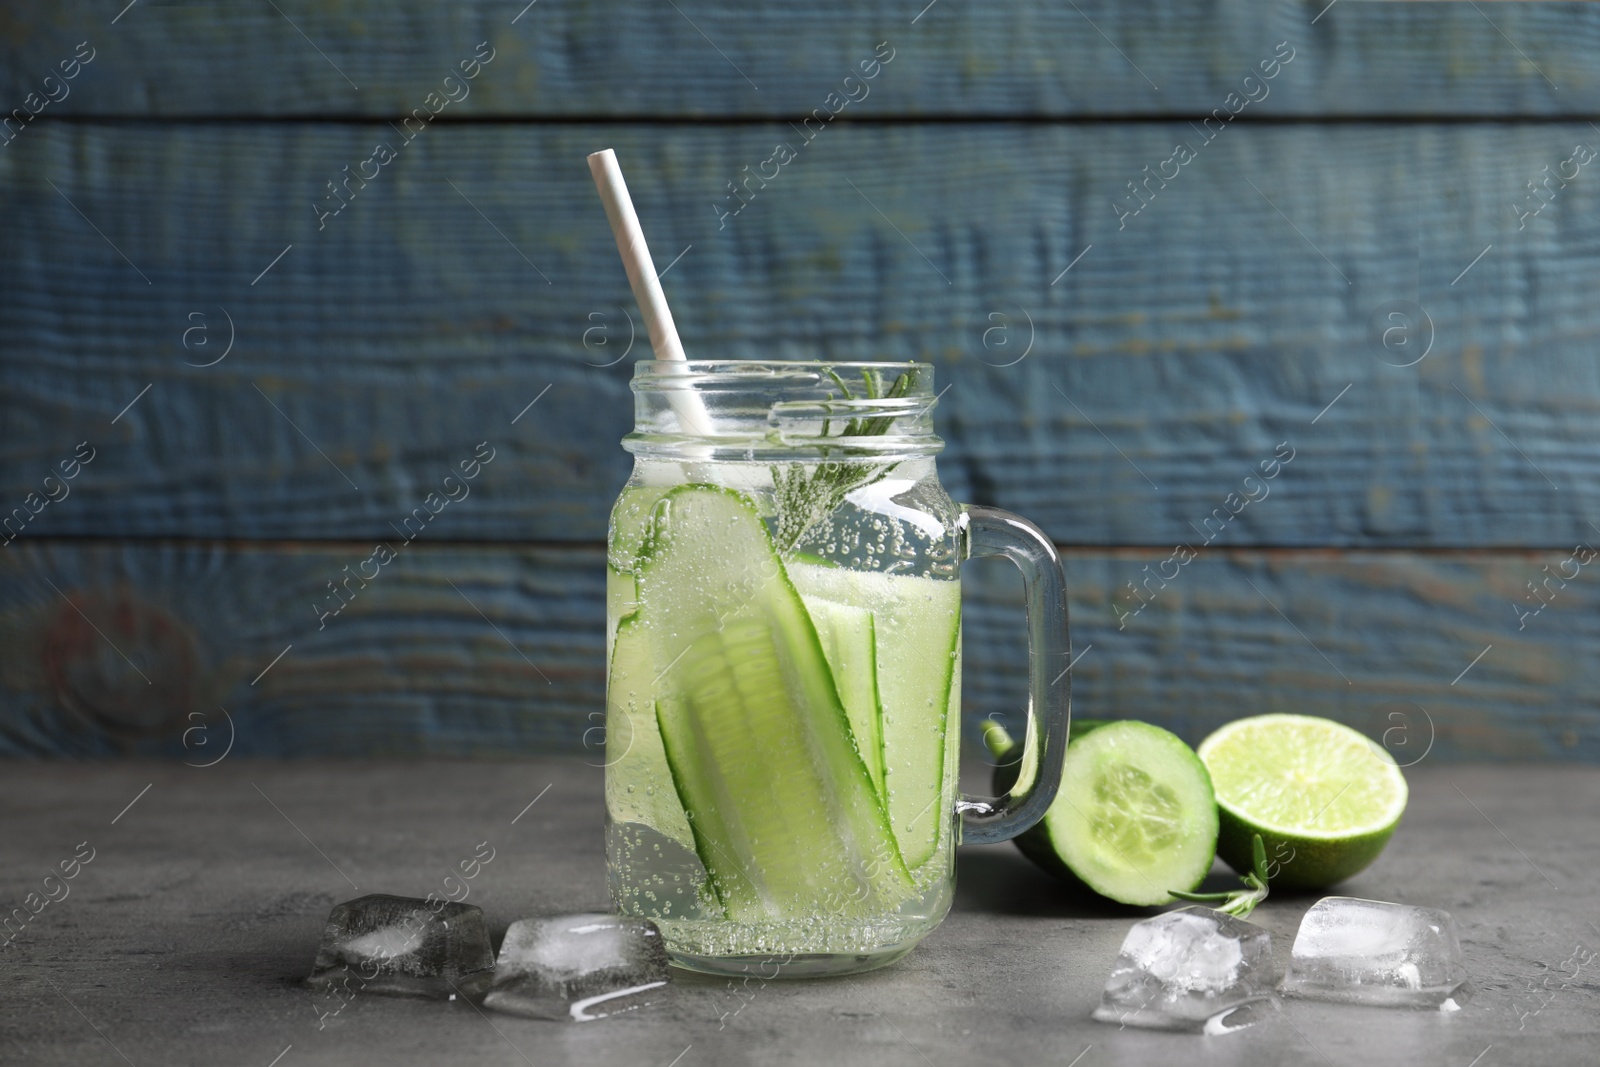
[805, 495]
[1238, 902]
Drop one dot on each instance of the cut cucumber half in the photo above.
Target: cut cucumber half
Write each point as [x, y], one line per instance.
[639, 786]
[916, 630]
[1011, 774]
[782, 807]
[846, 634]
[1135, 817]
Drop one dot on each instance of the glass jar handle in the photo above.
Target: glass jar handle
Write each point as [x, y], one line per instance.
[992, 532]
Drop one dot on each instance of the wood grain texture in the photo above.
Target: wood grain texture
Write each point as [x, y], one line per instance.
[463, 651]
[496, 650]
[1097, 58]
[1163, 368]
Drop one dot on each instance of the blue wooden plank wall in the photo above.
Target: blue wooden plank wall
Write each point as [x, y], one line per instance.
[1147, 246]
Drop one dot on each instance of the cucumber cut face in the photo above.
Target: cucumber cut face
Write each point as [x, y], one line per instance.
[916, 635]
[782, 807]
[1135, 817]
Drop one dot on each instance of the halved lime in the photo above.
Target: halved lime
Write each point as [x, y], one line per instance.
[1324, 798]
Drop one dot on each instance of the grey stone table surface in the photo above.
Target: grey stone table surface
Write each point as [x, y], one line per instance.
[185, 938]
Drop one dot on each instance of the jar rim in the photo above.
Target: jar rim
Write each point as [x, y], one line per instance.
[679, 368]
[783, 409]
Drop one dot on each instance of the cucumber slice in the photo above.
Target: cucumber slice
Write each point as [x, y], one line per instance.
[917, 631]
[630, 520]
[848, 642]
[639, 786]
[781, 806]
[622, 597]
[1134, 819]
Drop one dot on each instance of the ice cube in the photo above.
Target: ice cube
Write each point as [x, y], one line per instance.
[404, 946]
[1183, 968]
[1372, 952]
[579, 967]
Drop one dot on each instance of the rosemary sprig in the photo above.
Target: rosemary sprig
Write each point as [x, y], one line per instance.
[807, 495]
[1239, 902]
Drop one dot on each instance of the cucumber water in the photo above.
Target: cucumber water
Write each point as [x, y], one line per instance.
[782, 725]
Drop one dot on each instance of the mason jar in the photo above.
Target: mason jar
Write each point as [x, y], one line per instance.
[783, 655]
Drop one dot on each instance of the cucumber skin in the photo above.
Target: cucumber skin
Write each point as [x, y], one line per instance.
[1037, 844]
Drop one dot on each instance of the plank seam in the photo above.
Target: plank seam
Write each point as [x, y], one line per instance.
[1141, 551]
[897, 119]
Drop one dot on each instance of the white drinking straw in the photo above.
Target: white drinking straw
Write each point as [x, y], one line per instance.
[644, 282]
